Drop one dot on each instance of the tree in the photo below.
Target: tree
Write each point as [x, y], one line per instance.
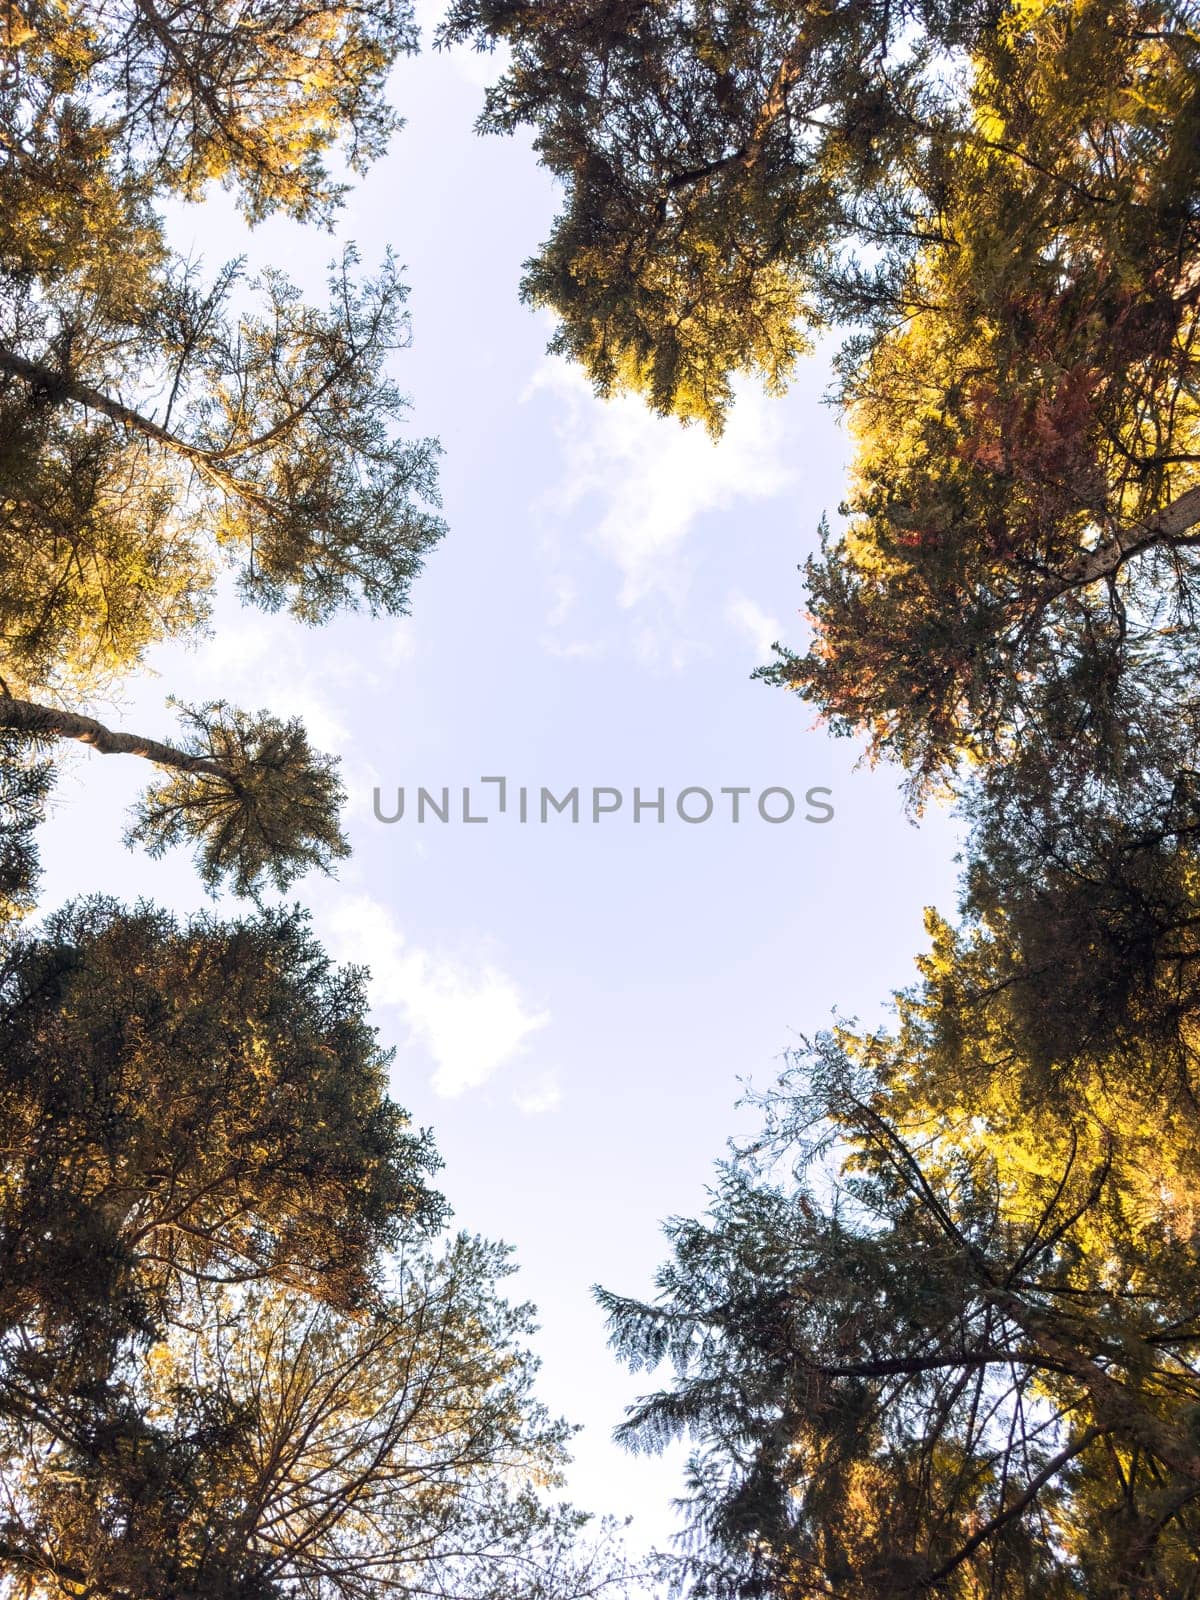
[275, 1446]
[999, 204]
[156, 425]
[938, 1335]
[190, 95]
[233, 1361]
[25, 783]
[251, 794]
[189, 1102]
[1025, 497]
[707, 155]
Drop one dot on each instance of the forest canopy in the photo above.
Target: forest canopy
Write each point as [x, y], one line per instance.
[996, 206]
[937, 1333]
[240, 1356]
[235, 1357]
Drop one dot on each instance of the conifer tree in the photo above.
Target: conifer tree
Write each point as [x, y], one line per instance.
[938, 1335]
[161, 422]
[998, 203]
[234, 1357]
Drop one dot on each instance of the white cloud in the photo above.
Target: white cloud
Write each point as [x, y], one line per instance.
[470, 1016]
[762, 628]
[572, 649]
[653, 477]
[656, 645]
[542, 1095]
[566, 592]
[399, 643]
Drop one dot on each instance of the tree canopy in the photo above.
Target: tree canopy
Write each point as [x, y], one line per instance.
[939, 1331]
[239, 1359]
[938, 1335]
[234, 1360]
[997, 204]
[1025, 495]
[160, 421]
[198, 1101]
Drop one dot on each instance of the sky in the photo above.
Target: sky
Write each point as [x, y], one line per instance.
[576, 1007]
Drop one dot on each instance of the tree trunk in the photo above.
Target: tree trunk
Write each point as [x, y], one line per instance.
[1169, 526]
[61, 384]
[48, 722]
[1115, 1407]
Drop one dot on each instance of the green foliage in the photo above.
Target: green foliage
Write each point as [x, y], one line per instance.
[276, 445]
[234, 1360]
[938, 1334]
[714, 159]
[1018, 561]
[258, 803]
[1025, 492]
[250, 97]
[998, 203]
[25, 782]
[186, 1101]
[160, 425]
[279, 1446]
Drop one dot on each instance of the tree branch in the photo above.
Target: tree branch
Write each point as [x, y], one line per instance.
[48, 722]
[1014, 1509]
[1170, 526]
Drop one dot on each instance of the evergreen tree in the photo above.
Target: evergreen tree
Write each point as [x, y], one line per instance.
[938, 1335]
[1025, 499]
[25, 782]
[1000, 204]
[158, 426]
[271, 1445]
[233, 1359]
[183, 1103]
[248, 791]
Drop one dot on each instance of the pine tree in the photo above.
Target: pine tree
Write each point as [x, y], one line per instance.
[158, 426]
[234, 1358]
[998, 204]
[938, 1334]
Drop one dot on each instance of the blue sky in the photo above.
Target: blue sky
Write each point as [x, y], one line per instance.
[573, 1006]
